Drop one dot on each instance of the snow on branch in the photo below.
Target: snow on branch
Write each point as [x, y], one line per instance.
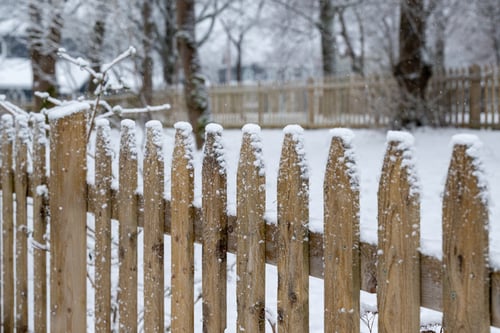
[11, 108]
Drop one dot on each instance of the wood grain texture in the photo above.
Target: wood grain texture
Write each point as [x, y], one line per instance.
[398, 267]
[251, 235]
[154, 284]
[214, 246]
[103, 159]
[68, 218]
[341, 241]
[293, 240]
[182, 231]
[21, 224]
[126, 212]
[8, 135]
[39, 224]
[466, 284]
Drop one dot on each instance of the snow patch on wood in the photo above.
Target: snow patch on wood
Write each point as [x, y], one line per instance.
[67, 110]
[405, 143]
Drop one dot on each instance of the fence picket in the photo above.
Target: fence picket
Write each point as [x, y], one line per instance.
[68, 216]
[341, 236]
[39, 223]
[466, 305]
[214, 258]
[21, 224]
[293, 243]
[251, 233]
[8, 134]
[103, 157]
[127, 215]
[398, 268]
[154, 213]
[182, 230]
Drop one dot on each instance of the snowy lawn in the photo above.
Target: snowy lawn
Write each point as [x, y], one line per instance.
[432, 153]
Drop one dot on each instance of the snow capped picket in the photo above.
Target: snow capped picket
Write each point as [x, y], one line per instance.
[214, 132]
[129, 141]
[104, 130]
[297, 135]
[186, 132]
[253, 131]
[67, 109]
[347, 138]
[8, 127]
[154, 133]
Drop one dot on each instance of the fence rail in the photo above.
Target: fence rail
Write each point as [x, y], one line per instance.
[403, 278]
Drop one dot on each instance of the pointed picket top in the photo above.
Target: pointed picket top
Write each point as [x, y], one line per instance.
[128, 140]
[466, 305]
[214, 147]
[8, 127]
[251, 233]
[398, 268]
[154, 140]
[341, 235]
[293, 239]
[103, 135]
[182, 230]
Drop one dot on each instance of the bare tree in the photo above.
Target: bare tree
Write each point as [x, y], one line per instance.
[44, 35]
[489, 14]
[148, 27]
[97, 40]
[239, 21]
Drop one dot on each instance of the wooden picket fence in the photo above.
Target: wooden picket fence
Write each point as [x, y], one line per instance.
[462, 285]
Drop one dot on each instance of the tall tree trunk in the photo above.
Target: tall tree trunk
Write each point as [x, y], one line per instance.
[147, 60]
[97, 41]
[239, 67]
[43, 50]
[440, 43]
[169, 52]
[328, 41]
[195, 91]
[411, 72]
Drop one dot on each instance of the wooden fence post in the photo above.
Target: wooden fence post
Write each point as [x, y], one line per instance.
[68, 210]
[341, 236]
[465, 242]
[127, 215]
[39, 222]
[398, 268]
[182, 230]
[214, 213]
[21, 225]
[154, 214]
[8, 135]
[293, 242]
[251, 233]
[103, 159]
[475, 96]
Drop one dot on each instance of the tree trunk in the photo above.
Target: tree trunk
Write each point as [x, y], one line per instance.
[147, 60]
[328, 41]
[43, 51]
[195, 91]
[97, 40]
[411, 72]
[169, 54]
[239, 69]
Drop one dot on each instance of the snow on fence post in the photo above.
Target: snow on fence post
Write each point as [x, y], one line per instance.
[127, 215]
[21, 225]
[341, 236]
[8, 135]
[293, 239]
[154, 216]
[68, 217]
[251, 233]
[39, 191]
[182, 230]
[214, 217]
[465, 241]
[103, 159]
[398, 268]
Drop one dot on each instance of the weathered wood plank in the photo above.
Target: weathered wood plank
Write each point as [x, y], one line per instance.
[68, 218]
[341, 236]
[127, 212]
[251, 234]
[39, 194]
[182, 230]
[398, 267]
[8, 135]
[103, 176]
[214, 201]
[466, 303]
[21, 224]
[153, 229]
[293, 235]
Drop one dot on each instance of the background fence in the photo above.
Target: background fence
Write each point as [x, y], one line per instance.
[462, 97]
[462, 286]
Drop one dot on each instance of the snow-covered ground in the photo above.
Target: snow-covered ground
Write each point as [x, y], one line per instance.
[432, 154]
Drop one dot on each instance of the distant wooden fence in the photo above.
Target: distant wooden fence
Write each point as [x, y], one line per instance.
[462, 286]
